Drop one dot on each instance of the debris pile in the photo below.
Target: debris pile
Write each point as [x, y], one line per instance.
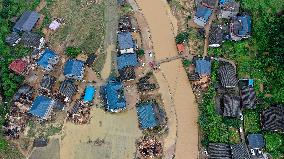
[80, 113]
[145, 85]
[150, 147]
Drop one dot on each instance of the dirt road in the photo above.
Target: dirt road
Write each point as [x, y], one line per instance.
[175, 88]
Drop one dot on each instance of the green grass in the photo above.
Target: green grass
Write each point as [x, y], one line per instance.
[84, 24]
[251, 122]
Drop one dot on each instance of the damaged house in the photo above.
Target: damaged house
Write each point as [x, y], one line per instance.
[124, 24]
[25, 92]
[33, 40]
[125, 42]
[216, 36]
[48, 59]
[202, 15]
[26, 22]
[47, 82]
[228, 9]
[68, 89]
[126, 64]
[273, 118]
[240, 27]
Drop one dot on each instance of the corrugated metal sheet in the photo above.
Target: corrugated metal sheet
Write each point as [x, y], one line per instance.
[27, 21]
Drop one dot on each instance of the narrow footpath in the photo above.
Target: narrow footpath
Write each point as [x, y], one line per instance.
[175, 88]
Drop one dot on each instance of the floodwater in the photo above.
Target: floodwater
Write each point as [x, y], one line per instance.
[175, 88]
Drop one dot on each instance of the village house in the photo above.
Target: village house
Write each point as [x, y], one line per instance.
[256, 144]
[240, 27]
[248, 96]
[25, 92]
[202, 66]
[68, 89]
[228, 76]
[273, 118]
[230, 105]
[240, 151]
[228, 9]
[219, 151]
[74, 69]
[19, 66]
[47, 82]
[89, 93]
[202, 15]
[13, 39]
[125, 42]
[26, 22]
[48, 59]
[113, 95]
[124, 24]
[126, 64]
[216, 35]
[42, 107]
[149, 115]
[33, 40]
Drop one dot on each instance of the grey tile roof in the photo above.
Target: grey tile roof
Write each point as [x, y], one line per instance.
[27, 21]
[68, 88]
[47, 81]
[30, 39]
[240, 151]
[231, 105]
[12, 38]
[216, 35]
[248, 96]
[219, 151]
[273, 118]
[227, 76]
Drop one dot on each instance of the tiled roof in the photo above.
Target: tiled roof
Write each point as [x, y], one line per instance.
[125, 40]
[216, 35]
[248, 97]
[27, 21]
[231, 105]
[68, 88]
[74, 69]
[30, 39]
[227, 75]
[241, 25]
[127, 73]
[146, 115]
[240, 151]
[41, 107]
[125, 60]
[273, 118]
[219, 151]
[18, 66]
[12, 38]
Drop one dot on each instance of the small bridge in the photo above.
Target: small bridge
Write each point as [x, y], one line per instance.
[169, 59]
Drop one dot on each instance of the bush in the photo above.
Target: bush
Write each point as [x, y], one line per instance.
[251, 122]
[274, 144]
[186, 63]
[182, 37]
[73, 51]
[140, 52]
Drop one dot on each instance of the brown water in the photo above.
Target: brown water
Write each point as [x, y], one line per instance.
[175, 88]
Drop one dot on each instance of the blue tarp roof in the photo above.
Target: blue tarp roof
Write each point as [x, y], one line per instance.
[89, 93]
[27, 21]
[146, 115]
[45, 57]
[203, 67]
[125, 60]
[41, 106]
[74, 67]
[246, 25]
[125, 40]
[256, 140]
[203, 12]
[115, 96]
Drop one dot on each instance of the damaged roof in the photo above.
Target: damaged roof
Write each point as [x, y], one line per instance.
[68, 88]
[47, 81]
[127, 73]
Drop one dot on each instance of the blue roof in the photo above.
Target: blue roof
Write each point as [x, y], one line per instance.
[203, 12]
[41, 106]
[125, 40]
[89, 93]
[246, 25]
[146, 115]
[203, 67]
[125, 60]
[43, 61]
[256, 141]
[115, 96]
[74, 68]
[251, 81]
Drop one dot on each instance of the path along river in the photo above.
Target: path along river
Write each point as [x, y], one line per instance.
[174, 86]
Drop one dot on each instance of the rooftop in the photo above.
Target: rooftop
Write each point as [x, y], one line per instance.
[89, 93]
[68, 88]
[227, 76]
[125, 40]
[146, 115]
[30, 39]
[47, 58]
[256, 141]
[41, 107]
[127, 73]
[27, 21]
[12, 38]
[241, 26]
[74, 69]
[125, 60]
[240, 151]
[231, 105]
[273, 118]
[219, 151]
[47, 81]
[18, 66]
[203, 67]
[202, 15]
[216, 36]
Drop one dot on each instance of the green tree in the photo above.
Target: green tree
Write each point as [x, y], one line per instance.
[73, 51]
[182, 37]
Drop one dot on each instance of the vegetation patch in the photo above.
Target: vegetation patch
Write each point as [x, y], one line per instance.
[251, 122]
[73, 51]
